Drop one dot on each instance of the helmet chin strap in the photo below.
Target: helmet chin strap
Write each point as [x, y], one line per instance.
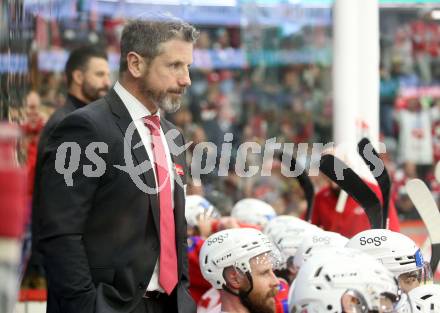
[240, 294]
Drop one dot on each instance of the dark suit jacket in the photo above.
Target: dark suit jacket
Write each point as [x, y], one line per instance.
[100, 236]
[71, 105]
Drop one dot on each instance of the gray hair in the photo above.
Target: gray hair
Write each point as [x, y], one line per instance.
[145, 36]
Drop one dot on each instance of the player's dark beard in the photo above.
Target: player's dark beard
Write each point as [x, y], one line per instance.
[257, 303]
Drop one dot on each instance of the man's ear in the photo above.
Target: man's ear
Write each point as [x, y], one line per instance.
[349, 303]
[233, 278]
[136, 64]
[78, 77]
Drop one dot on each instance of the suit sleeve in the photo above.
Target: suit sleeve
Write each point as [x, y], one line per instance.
[64, 211]
[42, 144]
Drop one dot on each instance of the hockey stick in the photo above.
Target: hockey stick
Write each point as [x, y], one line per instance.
[307, 187]
[383, 179]
[354, 186]
[309, 192]
[425, 204]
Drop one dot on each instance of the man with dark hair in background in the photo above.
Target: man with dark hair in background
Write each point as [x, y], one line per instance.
[88, 79]
[115, 239]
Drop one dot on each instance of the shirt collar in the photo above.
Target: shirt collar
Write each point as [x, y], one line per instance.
[136, 109]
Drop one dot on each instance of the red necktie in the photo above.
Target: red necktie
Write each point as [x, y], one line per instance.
[168, 255]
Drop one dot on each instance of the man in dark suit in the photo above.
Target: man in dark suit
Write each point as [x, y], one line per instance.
[88, 79]
[114, 237]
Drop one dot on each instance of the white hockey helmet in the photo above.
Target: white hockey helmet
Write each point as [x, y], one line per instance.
[397, 252]
[315, 242]
[287, 233]
[253, 211]
[196, 206]
[233, 247]
[282, 221]
[326, 278]
[425, 299]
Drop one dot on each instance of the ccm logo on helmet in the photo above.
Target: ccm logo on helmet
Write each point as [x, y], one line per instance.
[223, 258]
[218, 239]
[377, 241]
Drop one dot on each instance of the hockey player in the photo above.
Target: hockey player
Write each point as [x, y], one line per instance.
[287, 233]
[240, 263]
[198, 213]
[345, 282]
[398, 253]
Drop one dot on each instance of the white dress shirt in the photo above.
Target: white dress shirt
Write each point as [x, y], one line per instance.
[137, 112]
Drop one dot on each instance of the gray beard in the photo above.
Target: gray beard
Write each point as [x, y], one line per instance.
[168, 105]
[161, 100]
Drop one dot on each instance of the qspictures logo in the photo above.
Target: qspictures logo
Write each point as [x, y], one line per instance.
[206, 158]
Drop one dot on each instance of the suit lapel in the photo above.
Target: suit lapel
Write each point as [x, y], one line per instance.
[123, 120]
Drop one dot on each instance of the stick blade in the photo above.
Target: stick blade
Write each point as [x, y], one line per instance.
[425, 204]
[383, 180]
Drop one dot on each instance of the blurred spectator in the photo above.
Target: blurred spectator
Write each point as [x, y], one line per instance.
[435, 115]
[13, 215]
[204, 41]
[32, 127]
[389, 87]
[222, 39]
[415, 138]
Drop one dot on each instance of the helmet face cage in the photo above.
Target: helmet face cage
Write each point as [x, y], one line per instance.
[370, 301]
[270, 258]
[422, 275]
